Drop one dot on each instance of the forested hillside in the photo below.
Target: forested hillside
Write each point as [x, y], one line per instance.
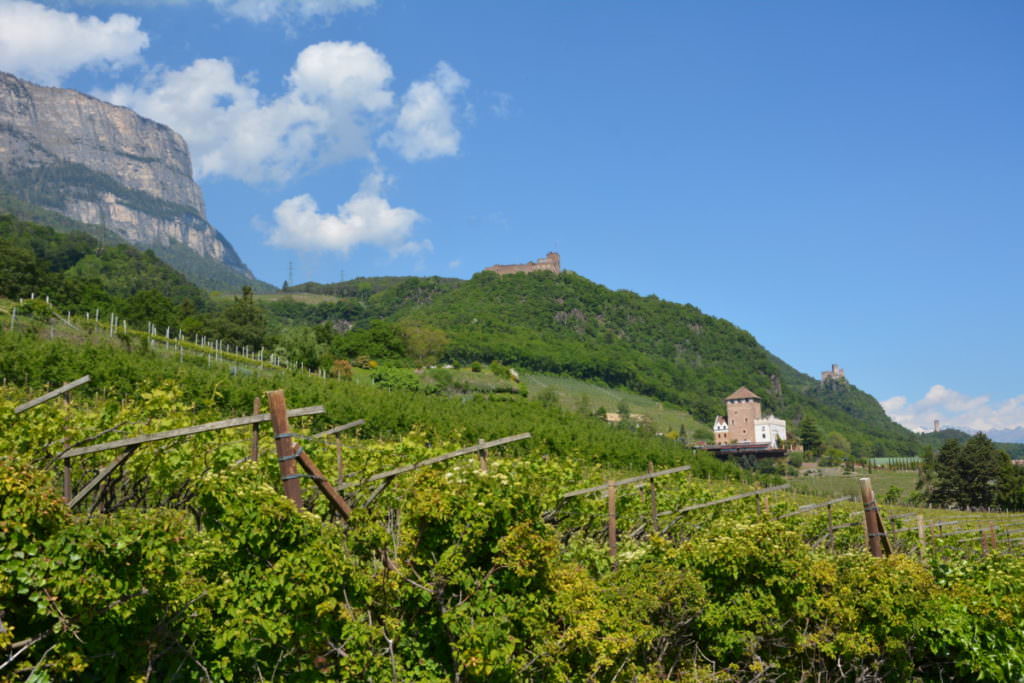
[80, 273]
[566, 324]
[202, 271]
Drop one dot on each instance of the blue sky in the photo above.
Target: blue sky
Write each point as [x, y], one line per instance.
[843, 180]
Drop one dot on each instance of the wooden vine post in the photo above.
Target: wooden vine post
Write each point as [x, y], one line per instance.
[612, 523]
[654, 498]
[921, 542]
[283, 443]
[254, 446]
[873, 521]
[831, 531]
[482, 454]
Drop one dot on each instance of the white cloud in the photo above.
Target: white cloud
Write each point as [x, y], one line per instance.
[425, 128]
[45, 45]
[265, 10]
[366, 218]
[335, 92]
[953, 408]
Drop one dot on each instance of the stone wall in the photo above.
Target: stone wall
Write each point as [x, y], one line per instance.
[551, 263]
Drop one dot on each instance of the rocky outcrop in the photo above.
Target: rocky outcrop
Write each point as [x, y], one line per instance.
[106, 165]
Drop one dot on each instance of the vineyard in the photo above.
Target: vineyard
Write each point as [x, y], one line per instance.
[174, 510]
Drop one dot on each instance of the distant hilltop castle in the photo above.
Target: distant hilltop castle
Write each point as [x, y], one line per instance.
[835, 373]
[551, 263]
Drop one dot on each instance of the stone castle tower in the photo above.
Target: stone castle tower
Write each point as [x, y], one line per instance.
[744, 424]
[743, 408]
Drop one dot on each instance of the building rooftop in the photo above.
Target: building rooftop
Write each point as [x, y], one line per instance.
[742, 392]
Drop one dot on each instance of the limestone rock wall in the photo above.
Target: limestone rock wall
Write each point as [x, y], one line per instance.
[104, 164]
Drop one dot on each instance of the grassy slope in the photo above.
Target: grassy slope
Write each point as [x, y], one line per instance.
[581, 396]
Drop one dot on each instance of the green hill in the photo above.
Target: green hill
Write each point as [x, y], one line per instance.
[567, 325]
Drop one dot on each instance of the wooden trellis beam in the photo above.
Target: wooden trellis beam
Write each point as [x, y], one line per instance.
[53, 394]
[101, 476]
[624, 482]
[438, 458]
[390, 475]
[738, 496]
[816, 506]
[339, 428]
[188, 431]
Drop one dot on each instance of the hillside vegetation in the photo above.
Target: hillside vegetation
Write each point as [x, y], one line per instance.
[202, 271]
[189, 564]
[567, 325]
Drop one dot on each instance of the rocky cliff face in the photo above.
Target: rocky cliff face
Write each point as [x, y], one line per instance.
[103, 164]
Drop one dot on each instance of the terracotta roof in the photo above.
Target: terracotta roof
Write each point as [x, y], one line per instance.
[742, 392]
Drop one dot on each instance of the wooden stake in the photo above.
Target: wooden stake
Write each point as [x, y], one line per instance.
[254, 448]
[872, 520]
[341, 465]
[654, 498]
[921, 542]
[321, 483]
[612, 522]
[482, 454]
[831, 531]
[283, 444]
[68, 493]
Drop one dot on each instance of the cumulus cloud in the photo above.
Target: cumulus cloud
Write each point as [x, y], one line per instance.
[952, 408]
[335, 94]
[45, 45]
[366, 218]
[264, 10]
[425, 128]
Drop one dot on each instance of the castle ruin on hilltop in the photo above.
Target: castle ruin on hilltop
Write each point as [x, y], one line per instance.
[835, 374]
[551, 263]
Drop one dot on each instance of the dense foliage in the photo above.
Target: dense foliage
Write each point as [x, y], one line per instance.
[974, 474]
[201, 570]
[389, 413]
[84, 274]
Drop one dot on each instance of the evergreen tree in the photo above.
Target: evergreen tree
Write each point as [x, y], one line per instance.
[976, 474]
[810, 436]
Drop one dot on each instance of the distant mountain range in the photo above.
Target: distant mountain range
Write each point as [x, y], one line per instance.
[74, 162]
[1015, 435]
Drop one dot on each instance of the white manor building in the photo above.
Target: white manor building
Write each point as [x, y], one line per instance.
[771, 430]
